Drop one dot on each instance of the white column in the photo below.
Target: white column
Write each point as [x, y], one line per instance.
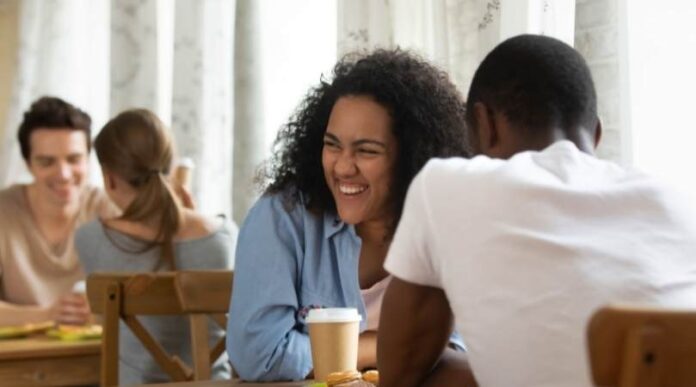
[141, 60]
[202, 103]
[248, 106]
[62, 51]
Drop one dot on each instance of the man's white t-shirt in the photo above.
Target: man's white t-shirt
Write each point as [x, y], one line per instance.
[526, 249]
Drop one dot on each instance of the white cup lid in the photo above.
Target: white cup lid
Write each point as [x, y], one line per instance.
[185, 162]
[333, 315]
[79, 287]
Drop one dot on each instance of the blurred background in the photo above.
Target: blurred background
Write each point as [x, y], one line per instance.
[225, 75]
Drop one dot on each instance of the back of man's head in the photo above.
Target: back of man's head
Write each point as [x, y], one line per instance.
[540, 85]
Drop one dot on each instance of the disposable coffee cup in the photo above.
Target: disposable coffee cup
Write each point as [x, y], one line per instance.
[333, 334]
[182, 173]
[80, 287]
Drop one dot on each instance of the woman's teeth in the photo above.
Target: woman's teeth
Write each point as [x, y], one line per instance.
[351, 189]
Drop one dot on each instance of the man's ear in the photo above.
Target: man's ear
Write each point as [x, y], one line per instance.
[598, 133]
[485, 127]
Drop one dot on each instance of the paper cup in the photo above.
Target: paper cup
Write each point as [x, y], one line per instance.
[333, 334]
[182, 173]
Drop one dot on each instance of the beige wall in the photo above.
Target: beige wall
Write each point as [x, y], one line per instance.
[8, 47]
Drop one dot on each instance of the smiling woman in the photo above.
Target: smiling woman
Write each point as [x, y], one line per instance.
[358, 159]
[334, 191]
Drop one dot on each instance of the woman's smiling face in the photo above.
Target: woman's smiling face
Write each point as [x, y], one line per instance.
[358, 158]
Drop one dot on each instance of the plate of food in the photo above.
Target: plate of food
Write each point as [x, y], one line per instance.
[350, 379]
[15, 331]
[75, 332]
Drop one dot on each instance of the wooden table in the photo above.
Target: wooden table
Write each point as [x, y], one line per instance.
[232, 383]
[42, 361]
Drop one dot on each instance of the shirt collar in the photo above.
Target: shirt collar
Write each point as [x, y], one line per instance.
[333, 225]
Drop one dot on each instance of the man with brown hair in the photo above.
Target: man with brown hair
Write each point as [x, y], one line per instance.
[38, 263]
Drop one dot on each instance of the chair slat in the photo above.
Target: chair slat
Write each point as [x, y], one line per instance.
[204, 292]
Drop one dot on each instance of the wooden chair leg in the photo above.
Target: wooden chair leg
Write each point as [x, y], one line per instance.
[200, 346]
[109, 346]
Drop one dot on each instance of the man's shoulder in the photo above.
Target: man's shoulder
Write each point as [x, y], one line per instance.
[12, 207]
[11, 196]
[459, 175]
[459, 167]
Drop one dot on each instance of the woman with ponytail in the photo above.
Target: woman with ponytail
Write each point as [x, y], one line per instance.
[153, 233]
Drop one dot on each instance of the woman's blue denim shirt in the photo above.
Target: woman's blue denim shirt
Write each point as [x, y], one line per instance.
[288, 261]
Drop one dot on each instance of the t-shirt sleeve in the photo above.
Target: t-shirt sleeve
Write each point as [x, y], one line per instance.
[410, 257]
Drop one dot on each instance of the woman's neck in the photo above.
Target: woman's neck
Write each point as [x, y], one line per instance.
[375, 245]
[373, 232]
[143, 230]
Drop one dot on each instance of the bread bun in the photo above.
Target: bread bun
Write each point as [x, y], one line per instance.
[338, 379]
[372, 377]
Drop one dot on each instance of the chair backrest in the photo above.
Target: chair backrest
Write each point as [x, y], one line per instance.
[196, 294]
[636, 346]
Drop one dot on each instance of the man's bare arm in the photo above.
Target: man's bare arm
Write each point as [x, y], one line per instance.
[414, 328]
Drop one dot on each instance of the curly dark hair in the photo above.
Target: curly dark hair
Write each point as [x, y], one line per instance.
[427, 111]
[51, 113]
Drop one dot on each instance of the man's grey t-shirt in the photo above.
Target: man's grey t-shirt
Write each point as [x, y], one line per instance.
[102, 249]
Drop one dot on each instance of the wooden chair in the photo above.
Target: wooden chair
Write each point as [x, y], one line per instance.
[641, 347]
[124, 296]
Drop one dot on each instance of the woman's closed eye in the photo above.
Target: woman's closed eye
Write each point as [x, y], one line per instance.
[328, 143]
[369, 151]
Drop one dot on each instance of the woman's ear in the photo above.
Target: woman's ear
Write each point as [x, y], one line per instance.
[109, 180]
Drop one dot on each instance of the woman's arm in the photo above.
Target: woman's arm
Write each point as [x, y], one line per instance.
[263, 341]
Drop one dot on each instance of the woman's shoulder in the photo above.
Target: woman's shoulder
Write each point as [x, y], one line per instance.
[197, 226]
[210, 240]
[287, 205]
[89, 238]
[89, 231]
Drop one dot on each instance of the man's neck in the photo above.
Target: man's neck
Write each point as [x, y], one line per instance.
[582, 140]
[46, 212]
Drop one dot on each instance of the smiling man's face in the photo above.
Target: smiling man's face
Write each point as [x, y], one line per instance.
[58, 161]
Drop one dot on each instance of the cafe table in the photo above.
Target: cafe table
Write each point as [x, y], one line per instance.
[232, 383]
[44, 361]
